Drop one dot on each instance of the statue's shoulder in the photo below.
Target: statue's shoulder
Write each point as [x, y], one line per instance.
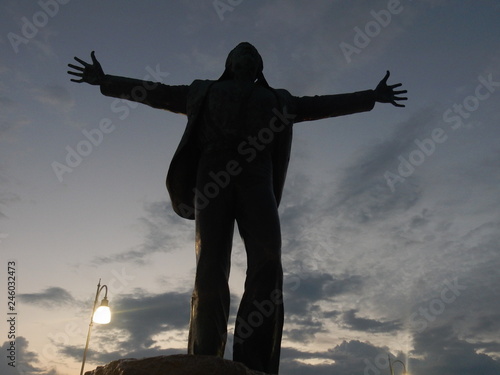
[200, 84]
[282, 92]
[284, 96]
[199, 87]
[197, 92]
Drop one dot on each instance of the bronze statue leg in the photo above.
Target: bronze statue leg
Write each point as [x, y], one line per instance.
[259, 322]
[249, 199]
[211, 298]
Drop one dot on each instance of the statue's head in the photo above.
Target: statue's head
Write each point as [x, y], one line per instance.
[244, 57]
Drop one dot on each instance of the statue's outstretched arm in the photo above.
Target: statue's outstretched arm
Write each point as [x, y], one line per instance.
[154, 94]
[309, 108]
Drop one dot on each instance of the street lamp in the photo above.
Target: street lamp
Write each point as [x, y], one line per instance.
[101, 315]
[396, 361]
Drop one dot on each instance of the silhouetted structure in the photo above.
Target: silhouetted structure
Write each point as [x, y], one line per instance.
[229, 167]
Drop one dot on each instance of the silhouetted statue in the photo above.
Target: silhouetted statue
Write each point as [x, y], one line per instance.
[230, 166]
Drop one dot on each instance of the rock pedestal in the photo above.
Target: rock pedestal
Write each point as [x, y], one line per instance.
[180, 364]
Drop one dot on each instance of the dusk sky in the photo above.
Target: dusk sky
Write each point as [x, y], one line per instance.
[390, 218]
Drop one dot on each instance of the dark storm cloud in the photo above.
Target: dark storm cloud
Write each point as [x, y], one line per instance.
[136, 320]
[308, 326]
[142, 317]
[351, 321]
[304, 291]
[348, 358]
[304, 294]
[437, 351]
[26, 361]
[50, 298]
[443, 352]
[487, 323]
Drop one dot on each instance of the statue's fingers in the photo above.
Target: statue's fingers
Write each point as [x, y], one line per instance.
[386, 77]
[94, 60]
[396, 99]
[77, 80]
[75, 73]
[76, 67]
[81, 61]
[396, 85]
[400, 92]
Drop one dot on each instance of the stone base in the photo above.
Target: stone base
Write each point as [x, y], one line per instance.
[179, 364]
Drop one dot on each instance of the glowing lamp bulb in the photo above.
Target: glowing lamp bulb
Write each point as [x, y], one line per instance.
[103, 314]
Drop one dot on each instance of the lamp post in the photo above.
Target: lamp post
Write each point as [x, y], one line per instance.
[101, 315]
[396, 361]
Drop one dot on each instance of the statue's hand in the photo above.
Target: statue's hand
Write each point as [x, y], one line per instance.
[89, 73]
[386, 94]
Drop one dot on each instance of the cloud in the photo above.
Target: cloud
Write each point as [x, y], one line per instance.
[163, 232]
[54, 96]
[406, 244]
[50, 298]
[436, 351]
[142, 325]
[307, 289]
[167, 314]
[26, 361]
[137, 325]
[443, 352]
[350, 320]
[363, 192]
[347, 358]
[305, 296]
[162, 312]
